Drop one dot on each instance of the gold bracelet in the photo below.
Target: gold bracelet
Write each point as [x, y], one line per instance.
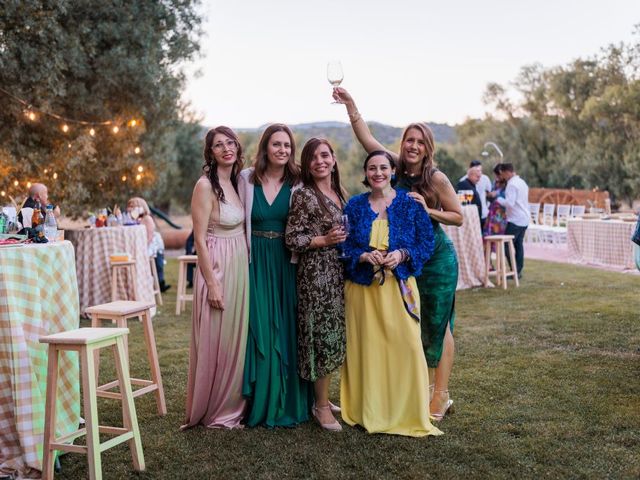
[355, 116]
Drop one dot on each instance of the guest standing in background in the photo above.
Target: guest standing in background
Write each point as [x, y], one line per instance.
[516, 203]
[276, 394]
[221, 289]
[385, 376]
[439, 278]
[155, 244]
[313, 230]
[497, 219]
[469, 182]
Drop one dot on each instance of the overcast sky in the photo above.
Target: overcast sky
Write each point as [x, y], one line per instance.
[404, 60]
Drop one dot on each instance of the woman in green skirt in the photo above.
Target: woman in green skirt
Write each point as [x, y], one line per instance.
[439, 278]
[277, 396]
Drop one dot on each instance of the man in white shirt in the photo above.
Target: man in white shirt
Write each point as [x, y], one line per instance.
[516, 203]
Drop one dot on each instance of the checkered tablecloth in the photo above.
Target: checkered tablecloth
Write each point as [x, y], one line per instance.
[38, 297]
[93, 247]
[467, 241]
[601, 242]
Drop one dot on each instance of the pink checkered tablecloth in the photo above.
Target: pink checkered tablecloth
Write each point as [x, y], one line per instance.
[601, 242]
[93, 247]
[467, 241]
[38, 297]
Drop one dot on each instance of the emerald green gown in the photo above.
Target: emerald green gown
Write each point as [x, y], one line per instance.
[437, 287]
[277, 396]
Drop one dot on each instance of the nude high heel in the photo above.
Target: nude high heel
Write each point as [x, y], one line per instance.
[448, 407]
[333, 426]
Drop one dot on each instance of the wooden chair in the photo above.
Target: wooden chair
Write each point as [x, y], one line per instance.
[120, 312]
[156, 280]
[129, 268]
[501, 269]
[87, 342]
[181, 296]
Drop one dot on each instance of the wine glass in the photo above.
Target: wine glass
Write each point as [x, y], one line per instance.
[335, 74]
[344, 221]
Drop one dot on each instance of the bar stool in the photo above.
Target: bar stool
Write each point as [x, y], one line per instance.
[156, 280]
[129, 267]
[501, 271]
[87, 342]
[120, 312]
[181, 297]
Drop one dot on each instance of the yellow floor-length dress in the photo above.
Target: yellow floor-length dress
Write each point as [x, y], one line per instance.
[384, 382]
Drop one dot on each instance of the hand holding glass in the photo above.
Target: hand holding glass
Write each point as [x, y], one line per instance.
[335, 74]
[344, 221]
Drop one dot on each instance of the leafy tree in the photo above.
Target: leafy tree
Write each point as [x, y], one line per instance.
[93, 61]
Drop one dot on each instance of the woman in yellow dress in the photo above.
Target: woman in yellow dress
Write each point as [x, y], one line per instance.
[384, 384]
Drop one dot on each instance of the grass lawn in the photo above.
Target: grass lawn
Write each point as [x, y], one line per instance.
[546, 383]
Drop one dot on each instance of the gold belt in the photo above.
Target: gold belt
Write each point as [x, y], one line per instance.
[267, 234]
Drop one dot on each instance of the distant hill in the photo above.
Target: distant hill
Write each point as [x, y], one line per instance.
[341, 132]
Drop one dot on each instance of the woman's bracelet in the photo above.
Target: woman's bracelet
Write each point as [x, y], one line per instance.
[355, 116]
[405, 255]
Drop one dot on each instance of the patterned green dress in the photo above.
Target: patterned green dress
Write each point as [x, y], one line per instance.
[277, 395]
[321, 329]
[437, 286]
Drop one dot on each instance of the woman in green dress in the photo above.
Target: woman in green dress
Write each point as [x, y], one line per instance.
[314, 229]
[276, 394]
[438, 280]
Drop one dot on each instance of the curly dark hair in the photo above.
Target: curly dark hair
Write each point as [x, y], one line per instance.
[210, 167]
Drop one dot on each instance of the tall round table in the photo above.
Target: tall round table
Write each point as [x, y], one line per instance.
[38, 297]
[93, 248]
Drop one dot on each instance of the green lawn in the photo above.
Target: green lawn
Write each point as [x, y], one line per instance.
[546, 383]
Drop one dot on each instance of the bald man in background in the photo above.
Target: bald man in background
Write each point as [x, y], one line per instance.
[38, 193]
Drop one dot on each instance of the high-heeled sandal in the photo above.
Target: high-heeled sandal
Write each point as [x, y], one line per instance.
[448, 407]
[333, 426]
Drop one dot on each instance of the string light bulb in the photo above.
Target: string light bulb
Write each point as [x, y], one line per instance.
[137, 150]
[124, 178]
[115, 129]
[141, 169]
[65, 128]
[55, 176]
[2, 193]
[92, 132]
[16, 183]
[31, 116]
[46, 170]
[28, 184]
[138, 177]
[133, 123]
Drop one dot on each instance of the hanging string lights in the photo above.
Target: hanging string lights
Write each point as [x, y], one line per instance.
[69, 126]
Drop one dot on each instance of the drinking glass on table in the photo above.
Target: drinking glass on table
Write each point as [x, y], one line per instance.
[344, 222]
[335, 74]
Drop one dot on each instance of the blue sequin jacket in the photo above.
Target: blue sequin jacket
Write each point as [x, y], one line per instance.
[409, 227]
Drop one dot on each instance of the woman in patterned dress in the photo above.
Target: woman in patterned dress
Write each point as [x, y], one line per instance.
[313, 231]
[438, 280]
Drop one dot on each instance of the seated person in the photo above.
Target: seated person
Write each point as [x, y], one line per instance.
[38, 194]
[140, 212]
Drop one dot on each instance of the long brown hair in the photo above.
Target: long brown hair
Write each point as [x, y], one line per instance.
[306, 157]
[291, 169]
[210, 167]
[424, 186]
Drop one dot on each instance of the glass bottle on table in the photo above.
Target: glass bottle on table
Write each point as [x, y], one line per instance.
[50, 225]
[38, 218]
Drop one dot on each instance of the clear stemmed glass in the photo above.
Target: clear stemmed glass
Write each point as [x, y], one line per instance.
[335, 74]
[344, 221]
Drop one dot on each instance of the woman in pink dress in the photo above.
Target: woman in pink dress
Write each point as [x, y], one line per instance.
[221, 289]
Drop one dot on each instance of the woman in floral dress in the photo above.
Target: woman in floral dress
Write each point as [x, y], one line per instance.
[313, 231]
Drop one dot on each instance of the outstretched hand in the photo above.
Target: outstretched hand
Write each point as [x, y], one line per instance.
[341, 95]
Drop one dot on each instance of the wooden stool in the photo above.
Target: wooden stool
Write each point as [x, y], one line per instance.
[182, 298]
[87, 341]
[121, 312]
[129, 267]
[501, 271]
[156, 280]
